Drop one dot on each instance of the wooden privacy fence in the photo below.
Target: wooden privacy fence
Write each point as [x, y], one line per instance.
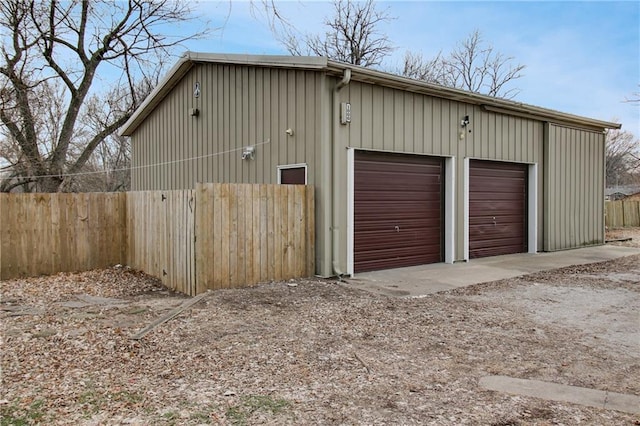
[42, 234]
[622, 213]
[216, 236]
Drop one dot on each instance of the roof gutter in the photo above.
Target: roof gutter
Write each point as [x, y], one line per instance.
[535, 113]
[489, 103]
[335, 231]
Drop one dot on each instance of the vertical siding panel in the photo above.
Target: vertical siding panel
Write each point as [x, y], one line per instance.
[484, 135]
[311, 119]
[235, 174]
[575, 169]
[418, 124]
[398, 121]
[388, 118]
[519, 139]
[492, 141]
[274, 120]
[282, 118]
[588, 199]
[226, 125]
[244, 124]
[355, 128]
[210, 138]
[429, 125]
[258, 135]
[452, 143]
[300, 115]
[267, 100]
[289, 144]
[436, 120]
[378, 118]
[409, 136]
[366, 117]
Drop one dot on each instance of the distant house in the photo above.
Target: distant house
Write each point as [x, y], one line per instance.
[405, 172]
[633, 197]
[627, 192]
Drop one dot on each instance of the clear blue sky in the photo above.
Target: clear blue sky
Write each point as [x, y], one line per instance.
[581, 57]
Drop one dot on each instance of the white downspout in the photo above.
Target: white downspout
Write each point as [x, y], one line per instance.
[346, 78]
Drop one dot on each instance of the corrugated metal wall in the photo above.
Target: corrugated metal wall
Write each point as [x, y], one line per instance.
[574, 188]
[395, 120]
[238, 106]
[249, 105]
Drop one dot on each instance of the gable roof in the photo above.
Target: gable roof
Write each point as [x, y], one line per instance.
[366, 75]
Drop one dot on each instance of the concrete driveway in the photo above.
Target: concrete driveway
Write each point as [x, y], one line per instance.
[421, 280]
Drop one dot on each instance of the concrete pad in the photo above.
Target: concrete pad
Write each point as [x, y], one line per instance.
[563, 393]
[417, 281]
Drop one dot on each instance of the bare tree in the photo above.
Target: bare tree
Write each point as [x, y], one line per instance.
[61, 49]
[353, 35]
[417, 67]
[622, 157]
[473, 65]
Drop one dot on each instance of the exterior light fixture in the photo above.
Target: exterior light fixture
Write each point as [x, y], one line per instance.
[465, 121]
[248, 152]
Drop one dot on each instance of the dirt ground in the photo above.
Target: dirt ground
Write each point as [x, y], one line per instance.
[316, 351]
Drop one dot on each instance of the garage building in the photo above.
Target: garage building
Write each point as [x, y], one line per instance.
[405, 172]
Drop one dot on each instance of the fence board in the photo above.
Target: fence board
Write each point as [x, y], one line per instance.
[162, 237]
[44, 234]
[217, 236]
[622, 213]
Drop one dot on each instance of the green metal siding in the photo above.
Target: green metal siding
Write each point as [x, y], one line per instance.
[395, 120]
[574, 188]
[238, 106]
[243, 105]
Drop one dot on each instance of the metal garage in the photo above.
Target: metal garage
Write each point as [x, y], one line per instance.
[453, 160]
[497, 208]
[397, 210]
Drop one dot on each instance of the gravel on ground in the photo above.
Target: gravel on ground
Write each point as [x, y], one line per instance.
[315, 351]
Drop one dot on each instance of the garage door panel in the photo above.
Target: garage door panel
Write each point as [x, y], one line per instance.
[378, 184]
[373, 260]
[497, 208]
[487, 232]
[411, 244]
[500, 208]
[376, 192]
[491, 186]
[405, 224]
[397, 210]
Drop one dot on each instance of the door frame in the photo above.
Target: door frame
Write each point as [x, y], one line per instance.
[448, 205]
[532, 204]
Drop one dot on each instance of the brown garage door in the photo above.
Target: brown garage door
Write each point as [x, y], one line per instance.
[497, 208]
[397, 210]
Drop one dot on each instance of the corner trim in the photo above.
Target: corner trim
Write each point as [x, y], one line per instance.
[449, 209]
[465, 210]
[532, 214]
[350, 209]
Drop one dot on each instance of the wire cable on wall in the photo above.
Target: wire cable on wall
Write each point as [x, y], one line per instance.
[146, 166]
